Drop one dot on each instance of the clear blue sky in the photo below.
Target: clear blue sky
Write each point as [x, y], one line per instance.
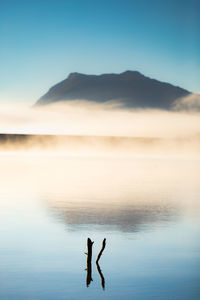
[42, 41]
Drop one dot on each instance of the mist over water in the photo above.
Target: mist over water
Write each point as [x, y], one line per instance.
[105, 119]
[75, 170]
[87, 127]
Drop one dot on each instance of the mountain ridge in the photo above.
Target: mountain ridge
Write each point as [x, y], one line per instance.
[132, 88]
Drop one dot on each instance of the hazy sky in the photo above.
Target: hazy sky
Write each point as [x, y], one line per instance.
[42, 41]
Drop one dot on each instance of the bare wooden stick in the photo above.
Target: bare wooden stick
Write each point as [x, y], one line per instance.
[101, 251]
[89, 262]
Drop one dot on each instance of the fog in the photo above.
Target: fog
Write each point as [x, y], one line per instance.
[107, 119]
[190, 103]
[92, 126]
[124, 194]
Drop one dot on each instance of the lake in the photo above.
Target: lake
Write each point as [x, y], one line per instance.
[147, 209]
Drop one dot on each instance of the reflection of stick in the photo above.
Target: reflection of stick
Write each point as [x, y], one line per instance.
[101, 275]
[101, 251]
[89, 262]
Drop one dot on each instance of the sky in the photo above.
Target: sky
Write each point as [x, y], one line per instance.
[42, 41]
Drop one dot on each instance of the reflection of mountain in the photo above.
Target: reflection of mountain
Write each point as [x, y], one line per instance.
[120, 193]
[131, 88]
[122, 216]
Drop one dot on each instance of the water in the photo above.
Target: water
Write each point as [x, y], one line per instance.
[147, 209]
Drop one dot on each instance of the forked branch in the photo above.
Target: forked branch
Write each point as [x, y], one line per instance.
[101, 251]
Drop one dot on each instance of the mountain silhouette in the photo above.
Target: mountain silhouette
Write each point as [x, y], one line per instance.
[131, 88]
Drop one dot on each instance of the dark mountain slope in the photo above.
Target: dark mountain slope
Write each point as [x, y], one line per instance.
[130, 87]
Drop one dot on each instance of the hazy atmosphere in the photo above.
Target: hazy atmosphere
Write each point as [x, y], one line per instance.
[99, 149]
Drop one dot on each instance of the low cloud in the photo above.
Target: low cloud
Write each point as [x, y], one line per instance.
[118, 129]
[189, 103]
[107, 119]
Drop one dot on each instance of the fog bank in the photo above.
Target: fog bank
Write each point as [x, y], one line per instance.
[90, 118]
[76, 126]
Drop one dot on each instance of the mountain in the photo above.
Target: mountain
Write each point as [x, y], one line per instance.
[131, 88]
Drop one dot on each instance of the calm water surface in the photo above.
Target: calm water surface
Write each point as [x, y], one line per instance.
[147, 209]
